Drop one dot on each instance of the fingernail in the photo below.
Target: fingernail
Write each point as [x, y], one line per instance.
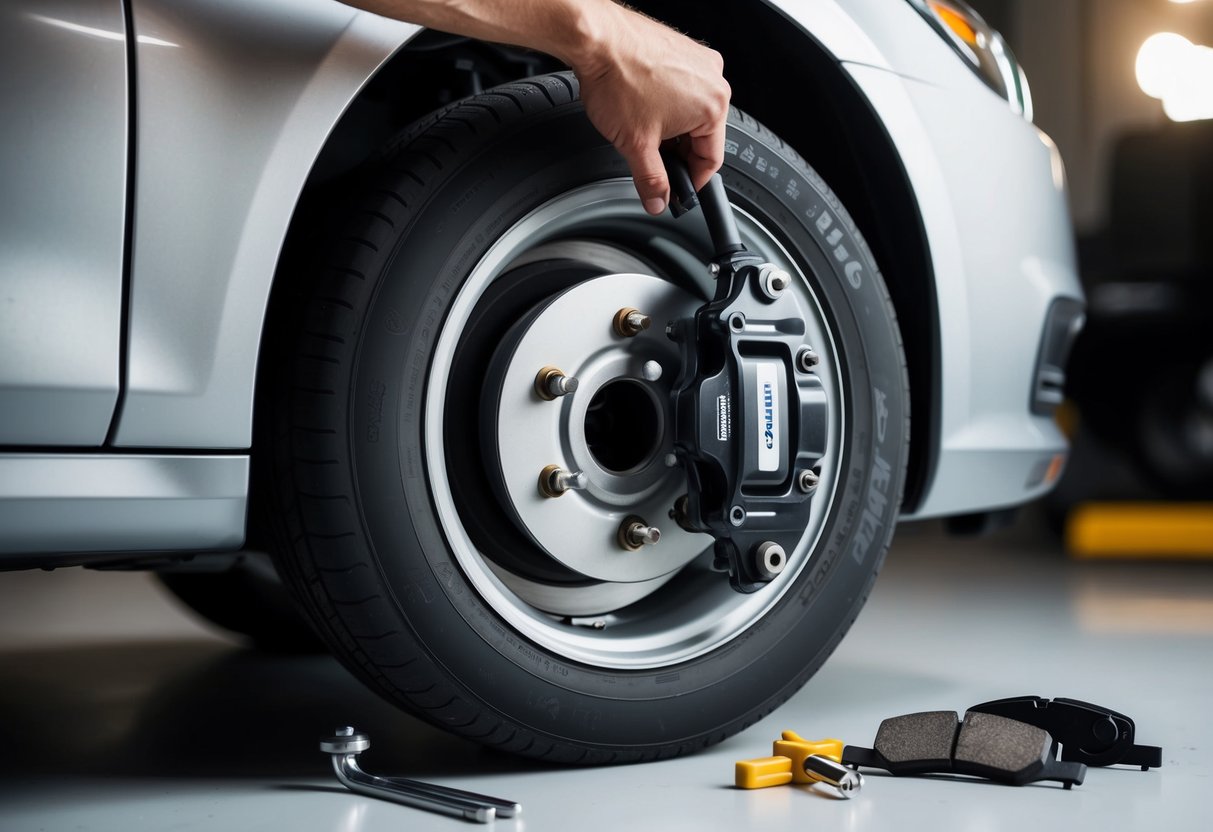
[654, 205]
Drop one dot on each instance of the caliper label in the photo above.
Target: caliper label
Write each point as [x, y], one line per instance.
[768, 416]
[724, 418]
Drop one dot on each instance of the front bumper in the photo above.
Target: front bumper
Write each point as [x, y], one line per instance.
[991, 192]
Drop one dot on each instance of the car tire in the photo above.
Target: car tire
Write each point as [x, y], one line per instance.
[394, 530]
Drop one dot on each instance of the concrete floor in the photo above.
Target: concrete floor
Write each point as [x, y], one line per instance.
[119, 712]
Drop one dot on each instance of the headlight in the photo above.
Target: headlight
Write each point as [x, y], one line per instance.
[982, 48]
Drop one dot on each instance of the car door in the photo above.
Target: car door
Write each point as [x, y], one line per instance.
[63, 177]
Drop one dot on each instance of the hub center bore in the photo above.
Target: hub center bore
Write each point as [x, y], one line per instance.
[623, 426]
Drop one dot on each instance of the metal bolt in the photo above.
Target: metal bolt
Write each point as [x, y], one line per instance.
[773, 280]
[825, 770]
[807, 480]
[592, 623]
[551, 383]
[714, 269]
[737, 515]
[806, 359]
[770, 559]
[554, 481]
[634, 533]
[670, 460]
[737, 321]
[651, 371]
[630, 322]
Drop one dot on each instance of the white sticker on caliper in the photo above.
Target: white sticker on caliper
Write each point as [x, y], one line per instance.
[768, 416]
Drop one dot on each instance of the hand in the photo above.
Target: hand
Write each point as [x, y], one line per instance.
[647, 83]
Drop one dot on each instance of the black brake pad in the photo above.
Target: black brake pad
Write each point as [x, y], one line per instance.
[984, 745]
[1089, 734]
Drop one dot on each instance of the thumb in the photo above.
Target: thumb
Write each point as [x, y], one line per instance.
[648, 172]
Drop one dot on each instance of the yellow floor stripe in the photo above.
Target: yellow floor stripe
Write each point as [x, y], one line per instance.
[1140, 530]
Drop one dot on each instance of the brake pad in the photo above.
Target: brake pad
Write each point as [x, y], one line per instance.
[984, 745]
[1089, 734]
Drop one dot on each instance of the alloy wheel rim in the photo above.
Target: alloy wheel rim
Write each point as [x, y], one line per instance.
[662, 619]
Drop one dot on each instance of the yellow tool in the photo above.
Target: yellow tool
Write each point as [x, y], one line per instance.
[797, 760]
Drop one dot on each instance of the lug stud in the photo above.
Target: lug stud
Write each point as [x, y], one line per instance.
[769, 559]
[807, 480]
[551, 383]
[554, 481]
[651, 371]
[630, 322]
[635, 533]
[806, 359]
[773, 281]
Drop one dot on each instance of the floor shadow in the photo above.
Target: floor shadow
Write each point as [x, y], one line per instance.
[205, 709]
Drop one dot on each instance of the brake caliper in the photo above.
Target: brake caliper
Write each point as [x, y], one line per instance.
[750, 413]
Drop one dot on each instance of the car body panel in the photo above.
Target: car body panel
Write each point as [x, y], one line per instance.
[63, 117]
[230, 122]
[120, 503]
[991, 191]
[235, 110]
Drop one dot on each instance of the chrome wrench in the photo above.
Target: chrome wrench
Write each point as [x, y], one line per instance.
[347, 744]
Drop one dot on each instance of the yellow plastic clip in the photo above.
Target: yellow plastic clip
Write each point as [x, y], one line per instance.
[787, 764]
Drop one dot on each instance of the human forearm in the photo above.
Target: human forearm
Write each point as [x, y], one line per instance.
[641, 82]
[575, 31]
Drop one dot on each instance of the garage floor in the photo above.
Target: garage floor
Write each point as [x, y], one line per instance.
[118, 712]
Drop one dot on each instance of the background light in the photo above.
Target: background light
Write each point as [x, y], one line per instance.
[1179, 73]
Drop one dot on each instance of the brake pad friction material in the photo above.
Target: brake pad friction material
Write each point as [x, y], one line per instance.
[1000, 744]
[923, 738]
[1089, 734]
[984, 745]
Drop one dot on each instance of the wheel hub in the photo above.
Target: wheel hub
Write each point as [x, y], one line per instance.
[609, 439]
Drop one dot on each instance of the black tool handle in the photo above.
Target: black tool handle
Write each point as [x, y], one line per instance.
[717, 212]
[683, 198]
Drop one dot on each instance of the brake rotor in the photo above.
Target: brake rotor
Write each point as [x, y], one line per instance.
[611, 437]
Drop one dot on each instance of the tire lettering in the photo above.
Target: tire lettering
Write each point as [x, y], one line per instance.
[549, 705]
[870, 522]
[394, 321]
[882, 414]
[374, 403]
[851, 267]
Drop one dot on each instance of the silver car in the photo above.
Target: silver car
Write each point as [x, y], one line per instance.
[281, 277]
